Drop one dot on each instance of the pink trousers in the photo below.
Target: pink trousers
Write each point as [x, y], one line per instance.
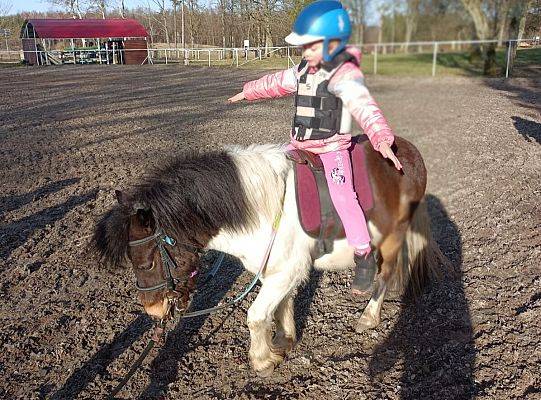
[337, 165]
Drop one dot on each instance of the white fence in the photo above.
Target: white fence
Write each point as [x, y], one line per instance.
[239, 57]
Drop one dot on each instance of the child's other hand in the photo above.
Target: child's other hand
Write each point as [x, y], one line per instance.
[387, 152]
[237, 97]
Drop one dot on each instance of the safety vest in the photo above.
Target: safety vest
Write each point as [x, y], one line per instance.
[319, 113]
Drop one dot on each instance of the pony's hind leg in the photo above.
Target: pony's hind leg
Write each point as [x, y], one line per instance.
[389, 248]
[285, 335]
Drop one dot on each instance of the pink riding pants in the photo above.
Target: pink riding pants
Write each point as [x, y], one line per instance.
[337, 165]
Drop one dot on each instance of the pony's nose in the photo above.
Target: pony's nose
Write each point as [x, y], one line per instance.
[157, 309]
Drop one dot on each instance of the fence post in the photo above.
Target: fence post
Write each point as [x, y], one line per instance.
[434, 57]
[99, 50]
[375, 59]
[260, 54]
[165, 56]
[237, 56]
[209, 58]
[508, 58]
[45, 51]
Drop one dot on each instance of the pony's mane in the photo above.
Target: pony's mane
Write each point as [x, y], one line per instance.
[197, 194]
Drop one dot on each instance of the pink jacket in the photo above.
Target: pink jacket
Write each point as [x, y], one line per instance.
[348, 84]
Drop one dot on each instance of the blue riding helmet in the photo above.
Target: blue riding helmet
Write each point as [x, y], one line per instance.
[321, 20]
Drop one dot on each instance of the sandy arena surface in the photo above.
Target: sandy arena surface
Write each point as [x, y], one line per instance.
[70, 329]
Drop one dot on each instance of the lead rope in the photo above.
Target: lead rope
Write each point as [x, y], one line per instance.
[156, 338]
[249, 288]
[160, 329]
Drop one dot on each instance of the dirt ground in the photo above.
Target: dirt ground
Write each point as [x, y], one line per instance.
[70, 329]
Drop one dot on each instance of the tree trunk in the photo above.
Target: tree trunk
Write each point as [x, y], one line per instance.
[102, 7]
[516, 29]
[122, 9]
[504, 22]
[267, 27]
[191, 22]
[78, 10]
[222, 20]
[175, 23]
[482, 27]
[411, 27]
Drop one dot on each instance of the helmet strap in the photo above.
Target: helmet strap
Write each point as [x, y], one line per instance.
[327, 57]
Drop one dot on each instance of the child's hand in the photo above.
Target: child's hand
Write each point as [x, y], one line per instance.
[237, 97]
[387, 152]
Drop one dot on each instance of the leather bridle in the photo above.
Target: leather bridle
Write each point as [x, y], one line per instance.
[161, 238]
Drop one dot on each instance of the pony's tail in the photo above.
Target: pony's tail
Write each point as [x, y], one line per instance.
[419, 261]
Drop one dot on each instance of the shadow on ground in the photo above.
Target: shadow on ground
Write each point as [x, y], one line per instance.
[432, 341]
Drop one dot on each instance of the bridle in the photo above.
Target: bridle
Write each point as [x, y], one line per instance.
[170, 283]
[161, 238]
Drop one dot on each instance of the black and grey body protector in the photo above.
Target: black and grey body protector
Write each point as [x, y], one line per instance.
[319, 113]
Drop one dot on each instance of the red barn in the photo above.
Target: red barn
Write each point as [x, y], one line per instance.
[84, 41]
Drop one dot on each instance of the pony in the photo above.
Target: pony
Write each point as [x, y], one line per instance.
[228, 200]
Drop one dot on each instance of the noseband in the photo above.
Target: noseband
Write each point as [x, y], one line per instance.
[162, 239]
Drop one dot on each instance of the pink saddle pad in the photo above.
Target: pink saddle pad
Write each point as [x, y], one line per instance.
[308, 201]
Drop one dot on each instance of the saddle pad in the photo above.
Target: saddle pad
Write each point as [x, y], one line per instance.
[308, 203]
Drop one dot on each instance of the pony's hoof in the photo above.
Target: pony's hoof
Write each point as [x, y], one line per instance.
[265, 367]
[365, 323]
[265, 372]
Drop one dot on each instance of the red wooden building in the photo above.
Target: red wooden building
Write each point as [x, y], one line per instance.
[104, 41]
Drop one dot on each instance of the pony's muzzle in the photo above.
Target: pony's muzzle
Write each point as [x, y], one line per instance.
[159, 309]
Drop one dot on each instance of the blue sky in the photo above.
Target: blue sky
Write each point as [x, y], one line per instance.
[44, 5]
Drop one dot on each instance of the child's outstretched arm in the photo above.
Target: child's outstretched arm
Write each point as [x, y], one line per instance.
[269, 86]
[349, 86]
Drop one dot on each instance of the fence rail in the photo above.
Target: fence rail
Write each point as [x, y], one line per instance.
[239, 57]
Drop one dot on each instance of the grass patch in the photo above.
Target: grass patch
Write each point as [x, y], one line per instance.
[420, 64]
[11, 64]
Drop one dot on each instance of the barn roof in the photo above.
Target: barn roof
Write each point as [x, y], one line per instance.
[85, 28]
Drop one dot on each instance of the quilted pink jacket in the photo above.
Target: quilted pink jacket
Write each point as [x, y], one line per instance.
[348, 84]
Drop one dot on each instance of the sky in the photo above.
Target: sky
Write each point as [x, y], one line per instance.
[44, 5]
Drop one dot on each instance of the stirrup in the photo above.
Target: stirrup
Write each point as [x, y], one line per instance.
[365, 271]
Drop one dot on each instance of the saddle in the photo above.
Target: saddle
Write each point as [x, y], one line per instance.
[317, 213]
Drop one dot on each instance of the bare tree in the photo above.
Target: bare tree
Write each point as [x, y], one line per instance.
[504, 24]
[5, 7]
[71, 6]
[163, 21]
[484, 14]
[100, 5]
[517, 25]
[357, 9]
[412, 15]
[489, 16]
[175, 32]
[122, 8]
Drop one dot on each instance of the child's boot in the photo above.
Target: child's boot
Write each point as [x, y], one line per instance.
[365, 271]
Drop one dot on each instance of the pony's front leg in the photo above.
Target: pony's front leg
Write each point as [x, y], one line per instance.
[264, 357]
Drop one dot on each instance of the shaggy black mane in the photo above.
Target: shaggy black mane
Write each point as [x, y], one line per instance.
[192, 196]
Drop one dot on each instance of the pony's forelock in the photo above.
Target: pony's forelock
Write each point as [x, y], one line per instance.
[111, 236]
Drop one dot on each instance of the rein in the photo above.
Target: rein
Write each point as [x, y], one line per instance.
[159, 330]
